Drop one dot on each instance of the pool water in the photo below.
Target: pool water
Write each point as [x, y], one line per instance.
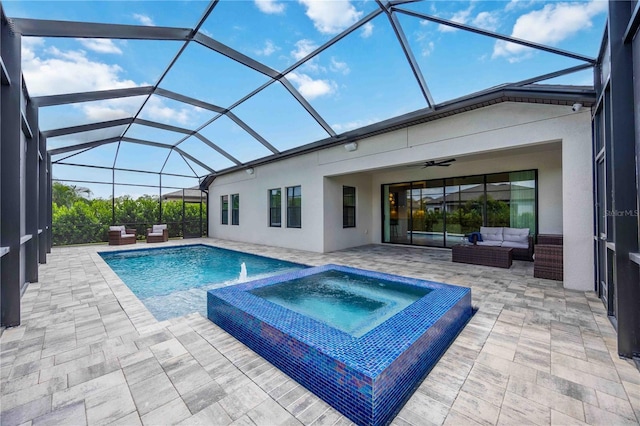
[352, 303]
[173, 281]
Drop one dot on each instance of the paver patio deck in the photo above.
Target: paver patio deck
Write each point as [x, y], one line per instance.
[88, 352]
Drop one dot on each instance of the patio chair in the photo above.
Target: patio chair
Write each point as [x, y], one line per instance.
[157, 234]
[119, 235]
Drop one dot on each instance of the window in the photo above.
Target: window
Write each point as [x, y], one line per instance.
[275, 208]
[294, 210]
[348, 207]
[235, 209]
[224, 209]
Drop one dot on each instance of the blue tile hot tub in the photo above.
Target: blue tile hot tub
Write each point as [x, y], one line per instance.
[360, 340]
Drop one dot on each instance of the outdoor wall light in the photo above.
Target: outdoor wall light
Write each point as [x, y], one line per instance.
[576, 107]
[249, 171]
[351, 146]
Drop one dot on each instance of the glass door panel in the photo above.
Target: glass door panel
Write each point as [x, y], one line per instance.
[464, 206]
[397, 213]
[427, 213]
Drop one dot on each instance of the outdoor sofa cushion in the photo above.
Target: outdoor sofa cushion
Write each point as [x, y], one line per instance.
[120, 228]
[504, 237]
[158, 228]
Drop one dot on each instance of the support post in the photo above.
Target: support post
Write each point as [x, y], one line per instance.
[49, 204]
[31, 194]
[10, 214]
[625, 226]
[43, 182]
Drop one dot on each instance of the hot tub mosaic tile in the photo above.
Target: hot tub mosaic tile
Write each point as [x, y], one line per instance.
[367, 378]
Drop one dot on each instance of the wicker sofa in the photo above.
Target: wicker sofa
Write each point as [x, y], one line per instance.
[516, 238]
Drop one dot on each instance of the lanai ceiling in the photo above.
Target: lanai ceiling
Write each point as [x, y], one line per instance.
[228, 84]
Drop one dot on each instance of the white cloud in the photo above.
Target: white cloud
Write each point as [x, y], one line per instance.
[345, 127]
[51, 71]
[268, 49]
[549, 25]
[331, 17]
[67, 71]
[100, 45]
[270, 6]
[427, 49]
[143, 19]
[487, 21]
[310, 88]
[461, 17]
[339, 67]
[367, 30]
[303, 48]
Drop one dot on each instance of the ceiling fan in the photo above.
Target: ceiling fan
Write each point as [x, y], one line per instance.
[442, 163]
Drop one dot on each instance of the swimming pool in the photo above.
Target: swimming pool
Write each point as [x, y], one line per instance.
[173, 281]
[366, 376]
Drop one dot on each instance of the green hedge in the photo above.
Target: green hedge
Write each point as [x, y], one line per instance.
[78, 220]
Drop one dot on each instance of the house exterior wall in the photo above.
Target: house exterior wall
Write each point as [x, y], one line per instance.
[480, 139]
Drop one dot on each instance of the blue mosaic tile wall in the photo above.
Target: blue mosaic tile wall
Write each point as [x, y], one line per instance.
[369, 378]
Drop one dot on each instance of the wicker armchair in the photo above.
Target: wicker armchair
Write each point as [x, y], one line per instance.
[119, 235]
[157, 234]
[548, 257]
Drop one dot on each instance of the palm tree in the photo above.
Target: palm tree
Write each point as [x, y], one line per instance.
[66, 195]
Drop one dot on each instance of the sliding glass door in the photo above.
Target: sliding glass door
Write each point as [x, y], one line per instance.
[441, 212]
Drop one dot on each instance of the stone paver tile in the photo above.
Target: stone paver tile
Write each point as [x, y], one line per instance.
[243, 421]
[73, 414]
[301, 404]
[483, 390]
[454, 418]
[476, 408]
[31, 393]
[203, 396]
[510, 417]
[568, 388]
[170, 413]
[329, 417]
[546, 397]
[242, 400]
[168, 349]
[589, 380]
[558, 418]
[282, 389]
[152, 393]
[270, 413]
[538, 359]
[441, 392]
[76, 353]
[422, 407]
[598, 370]
[292, 396]
[19, 383]
[615, 405]
[318, 408]
[93, 371]
[142, 370]
[528, 409]
[134, 358]
[185, 373]
[132, 419]
[213, 414]
[26, 412]
[508, 367]
[66, 368]
[86, 389]
[598, 416]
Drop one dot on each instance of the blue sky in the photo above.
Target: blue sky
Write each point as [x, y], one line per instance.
[360, 80]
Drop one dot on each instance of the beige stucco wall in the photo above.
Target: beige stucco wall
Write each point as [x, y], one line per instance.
[498, 138]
